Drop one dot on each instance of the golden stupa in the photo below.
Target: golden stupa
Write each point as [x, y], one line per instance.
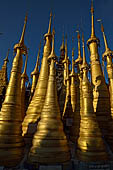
[35, 107]
[90, 143]
[101, 98]
[49, 142]
[11, 141]
[68, 114]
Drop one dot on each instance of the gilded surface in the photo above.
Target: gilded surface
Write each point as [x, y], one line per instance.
[101, 102]
[49, 142]
[90, 144]
[35, 107]
[11, 141]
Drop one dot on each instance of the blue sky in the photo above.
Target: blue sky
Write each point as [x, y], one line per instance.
[68, 14]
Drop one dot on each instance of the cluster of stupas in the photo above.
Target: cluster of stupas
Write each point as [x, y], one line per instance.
[64, 106]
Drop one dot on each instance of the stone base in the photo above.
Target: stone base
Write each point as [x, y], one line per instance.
[57, 167]
[93, 165]
[1, 167]
[63, 166]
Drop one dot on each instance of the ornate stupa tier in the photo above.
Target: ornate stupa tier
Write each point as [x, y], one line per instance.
[90, 143]
[49, 142]
[11, 141]
[37, 102]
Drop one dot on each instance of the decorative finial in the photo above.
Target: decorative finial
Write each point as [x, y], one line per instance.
[49, 29]
[53, 55]
[6, 59]
[92, 8]
[79, 59]
[72, 48]
[23, 33]
[84, 65]
[105, 40]
[62, 46]
[36, 70]
[66, 47]
[78, 35]
[21, 42]
[92, 12]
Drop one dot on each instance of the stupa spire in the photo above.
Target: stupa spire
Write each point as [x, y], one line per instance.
[49, 28]
[23, 32]
[21, 42]
[53, 55]
[6, 60]
[107, 49]
[84, 64]
[63, 45]
[65, 61]
[36, 69]
[78, 61]
[92, 16]
[35, 73]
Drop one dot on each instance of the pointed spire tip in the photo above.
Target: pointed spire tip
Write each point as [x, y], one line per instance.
[92, 8]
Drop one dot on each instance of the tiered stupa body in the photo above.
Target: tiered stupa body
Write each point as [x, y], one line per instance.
[35, 74]
[101, 98]
[24, 78]
[90, 143]
[35, 107]
[3, 80]
[11, 141]
[49, 142]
